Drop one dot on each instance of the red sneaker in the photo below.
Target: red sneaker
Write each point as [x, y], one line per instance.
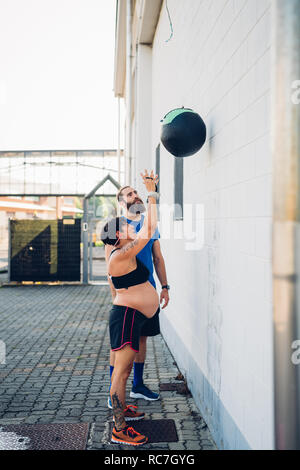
[130, 413]
[128, 436]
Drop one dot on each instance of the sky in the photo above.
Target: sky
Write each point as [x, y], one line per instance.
[56, 80]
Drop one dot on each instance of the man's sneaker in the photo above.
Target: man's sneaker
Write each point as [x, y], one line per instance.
[141, 391]
[131, 415]
[109, 403]
[128, 436]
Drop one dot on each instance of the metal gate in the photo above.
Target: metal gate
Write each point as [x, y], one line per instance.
[44, 250]
[95, 216]
[97, 265]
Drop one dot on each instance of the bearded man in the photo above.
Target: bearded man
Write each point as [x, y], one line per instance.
[151, 255]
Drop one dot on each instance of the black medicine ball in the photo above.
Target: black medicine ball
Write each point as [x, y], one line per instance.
[183, 132]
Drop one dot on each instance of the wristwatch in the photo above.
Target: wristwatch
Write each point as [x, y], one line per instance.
[166, 287]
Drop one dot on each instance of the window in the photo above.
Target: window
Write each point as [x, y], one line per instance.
[178, 188]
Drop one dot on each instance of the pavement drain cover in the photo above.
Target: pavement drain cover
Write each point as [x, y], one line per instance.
[59, 436]
[157, 430]
[175, 387]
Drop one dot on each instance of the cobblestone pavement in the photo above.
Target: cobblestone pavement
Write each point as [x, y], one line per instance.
[57, 366]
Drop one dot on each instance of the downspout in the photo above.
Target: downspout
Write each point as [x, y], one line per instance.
[85, 242]
[128, 94]
[136, 116]
[286, 233]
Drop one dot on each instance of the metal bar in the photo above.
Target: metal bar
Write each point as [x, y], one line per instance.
[52, 195]
[286, 234]
[33, 153]
[99, 278]
[98, 185]
[178, 188]
[91, 224]
[9, 250]
[85, 242]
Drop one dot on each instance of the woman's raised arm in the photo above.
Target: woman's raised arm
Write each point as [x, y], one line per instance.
[150, 222]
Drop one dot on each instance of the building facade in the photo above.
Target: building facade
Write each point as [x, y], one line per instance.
[213, 57]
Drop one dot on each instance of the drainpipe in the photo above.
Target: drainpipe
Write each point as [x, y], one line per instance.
[85, 242]
[134, 86]
[128, 94]
[286, 233]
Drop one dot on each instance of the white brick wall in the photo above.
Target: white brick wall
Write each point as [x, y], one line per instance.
[218, 63]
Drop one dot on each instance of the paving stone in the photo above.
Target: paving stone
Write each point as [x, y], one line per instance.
[194, 445]
[58, 365]
[176, 446]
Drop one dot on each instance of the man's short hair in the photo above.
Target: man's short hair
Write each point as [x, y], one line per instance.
[119, 193]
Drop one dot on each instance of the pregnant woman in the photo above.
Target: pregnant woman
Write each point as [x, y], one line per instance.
[136, 300]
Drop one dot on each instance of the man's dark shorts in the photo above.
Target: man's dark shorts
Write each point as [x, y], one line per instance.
[125, 324]
[151, 326]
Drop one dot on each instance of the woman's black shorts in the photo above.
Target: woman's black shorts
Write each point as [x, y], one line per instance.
[125, 324]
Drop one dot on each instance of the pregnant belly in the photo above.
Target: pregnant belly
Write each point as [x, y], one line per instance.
[142, 297]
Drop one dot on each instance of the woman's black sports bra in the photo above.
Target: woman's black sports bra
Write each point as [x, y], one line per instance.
[137, 276]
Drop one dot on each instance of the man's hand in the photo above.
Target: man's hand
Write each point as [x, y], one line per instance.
[164, 295]
[160, 269]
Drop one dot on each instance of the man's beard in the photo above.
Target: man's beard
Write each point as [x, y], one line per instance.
[136, 207]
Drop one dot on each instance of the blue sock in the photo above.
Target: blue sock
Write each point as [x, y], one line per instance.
[138, 370]
[111, 369]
